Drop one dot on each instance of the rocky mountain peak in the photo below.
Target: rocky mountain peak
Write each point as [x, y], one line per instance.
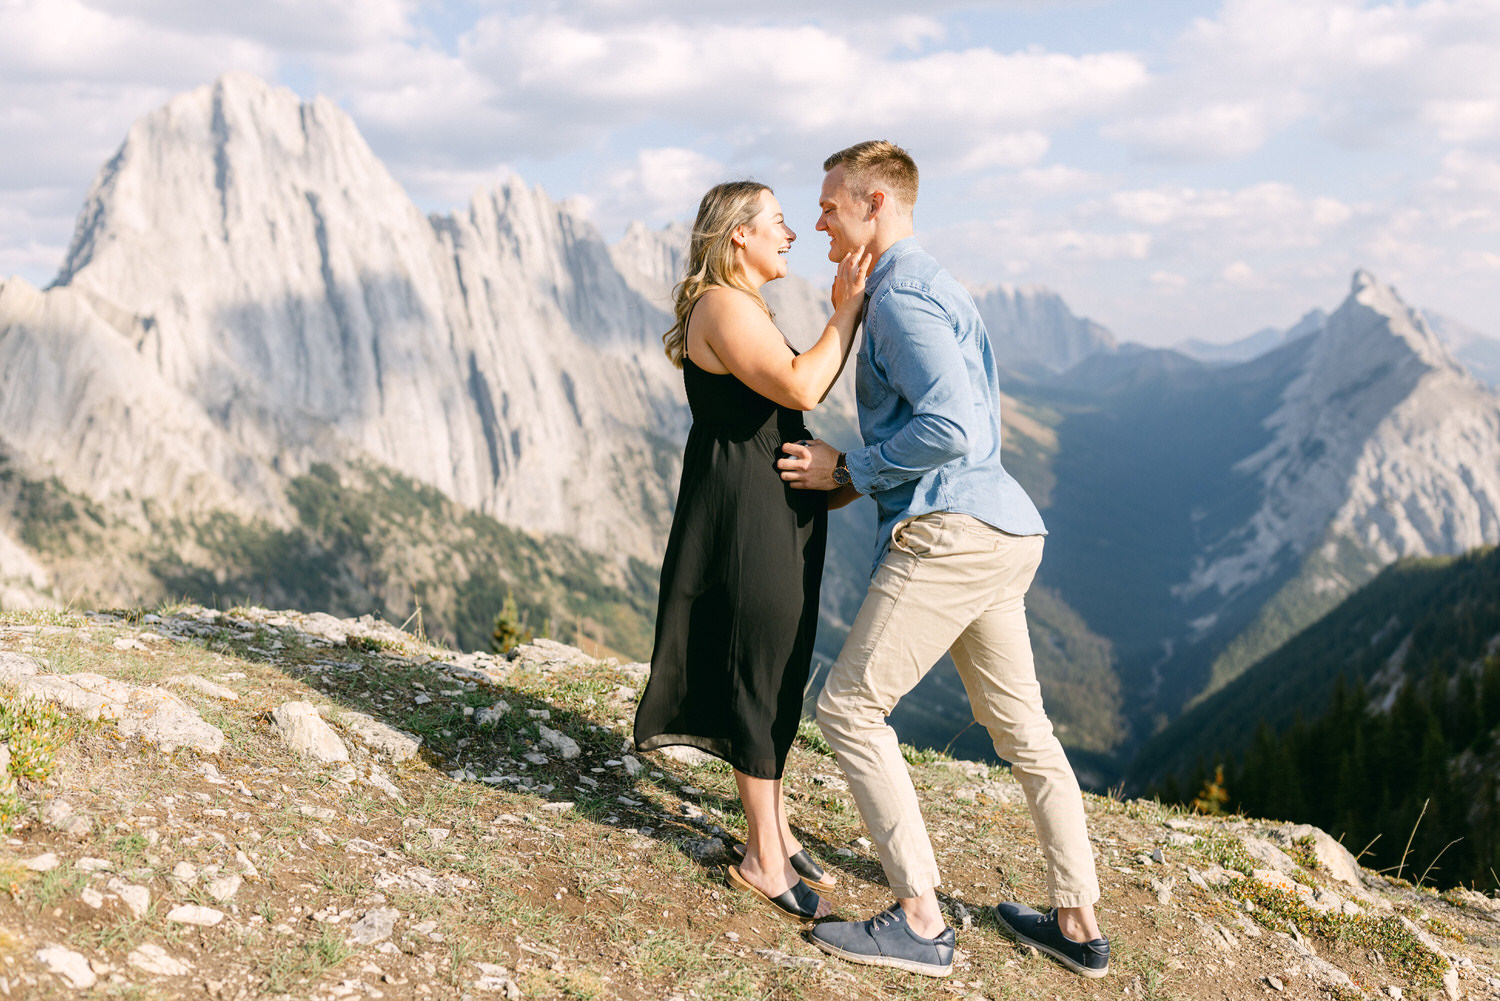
[1034, 330]
[1369, 356]
[1373, 311]
[230, 161]
[652, 260]
[1381, 445]
[248, 257]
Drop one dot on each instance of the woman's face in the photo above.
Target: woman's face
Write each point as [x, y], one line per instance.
[764, 241]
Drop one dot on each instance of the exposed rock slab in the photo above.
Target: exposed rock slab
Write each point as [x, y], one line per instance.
[153, 714]
[545, 654]
[203, 686]
[195, 914]
[71, 966]
[376, 925]
[305, 732]
[380, 737]
[148, 957]
[555, 740]
[1333, 857]
[161, 718]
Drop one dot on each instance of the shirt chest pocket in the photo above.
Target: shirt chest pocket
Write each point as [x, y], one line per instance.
[870, 387]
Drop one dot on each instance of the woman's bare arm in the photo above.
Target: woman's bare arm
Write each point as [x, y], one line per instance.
[840, 496]
[744, 341]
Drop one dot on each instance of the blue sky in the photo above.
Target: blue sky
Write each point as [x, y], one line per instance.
[1173, 169]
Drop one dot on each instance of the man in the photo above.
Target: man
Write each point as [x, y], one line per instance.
[958, 546]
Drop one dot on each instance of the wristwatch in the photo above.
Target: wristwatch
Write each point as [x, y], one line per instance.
[841, 471]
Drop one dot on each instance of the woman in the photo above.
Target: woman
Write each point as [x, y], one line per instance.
[739, 582]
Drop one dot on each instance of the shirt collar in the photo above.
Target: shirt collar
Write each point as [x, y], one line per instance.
[893, 253]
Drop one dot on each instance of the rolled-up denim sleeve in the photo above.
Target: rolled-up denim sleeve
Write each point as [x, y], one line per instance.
[920, 357]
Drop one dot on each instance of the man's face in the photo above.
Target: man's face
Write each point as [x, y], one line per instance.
[845, 218]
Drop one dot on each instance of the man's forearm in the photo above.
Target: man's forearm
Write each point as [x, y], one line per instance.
[926, 442]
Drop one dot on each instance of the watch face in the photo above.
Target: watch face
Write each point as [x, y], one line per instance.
[841, 475]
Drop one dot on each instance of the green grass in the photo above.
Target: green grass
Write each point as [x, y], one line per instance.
[1283, 911]
[1226, 850]
[921, 755]
[305, 962]
[811, 738]
[33, 731]
[118, 936]
[55, 886]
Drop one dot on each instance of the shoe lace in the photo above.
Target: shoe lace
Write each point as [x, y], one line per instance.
[889, 916]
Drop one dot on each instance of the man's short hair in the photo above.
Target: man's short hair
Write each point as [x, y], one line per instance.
[877, 163]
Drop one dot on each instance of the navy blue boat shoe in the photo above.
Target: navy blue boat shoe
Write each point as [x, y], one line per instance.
[886, 940]
[1040, 931]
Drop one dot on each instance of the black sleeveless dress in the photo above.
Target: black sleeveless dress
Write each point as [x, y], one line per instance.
[738, 609]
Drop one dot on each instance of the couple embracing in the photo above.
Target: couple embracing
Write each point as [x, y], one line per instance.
[958, 545]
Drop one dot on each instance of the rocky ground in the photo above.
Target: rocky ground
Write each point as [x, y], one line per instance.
[255, 803]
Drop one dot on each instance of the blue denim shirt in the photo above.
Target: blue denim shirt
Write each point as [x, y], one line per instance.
[929, 403]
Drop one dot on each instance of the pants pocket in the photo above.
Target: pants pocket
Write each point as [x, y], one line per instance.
[943, 533]
[924, 535]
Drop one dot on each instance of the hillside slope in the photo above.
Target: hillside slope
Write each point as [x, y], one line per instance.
[364, 539]
[463, 824]
[1382, 717]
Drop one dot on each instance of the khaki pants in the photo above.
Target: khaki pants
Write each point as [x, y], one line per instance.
[951, 582]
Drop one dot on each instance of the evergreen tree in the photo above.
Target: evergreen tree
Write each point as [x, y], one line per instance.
[510, 627]
[1400, 776]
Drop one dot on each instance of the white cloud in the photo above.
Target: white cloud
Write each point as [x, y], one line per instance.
[285, 25]
[67, 39]
[422, 104]
[32, 212]
[1233, 235]
[661, 184]
[888, 23]
[1464, 120]
[1052, 181]
[1017, 149]
[1265, 217]
[1481, 260]
[542, 84]
[1365, 73]
[1238, 273]
[61, 135]
[1217, 131]
[1330, 212]
[1021, 245]
[1469, 175]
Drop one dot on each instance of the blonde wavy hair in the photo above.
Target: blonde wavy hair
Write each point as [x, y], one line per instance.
[711, 256]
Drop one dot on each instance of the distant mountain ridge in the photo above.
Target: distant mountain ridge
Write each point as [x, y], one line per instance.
[1253, 345]
[1202, 515]
[256, 256]
[1034, 331]
[249, 299]
[1476, 351]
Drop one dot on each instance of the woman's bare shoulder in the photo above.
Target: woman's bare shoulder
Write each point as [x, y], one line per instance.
[726, 302]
